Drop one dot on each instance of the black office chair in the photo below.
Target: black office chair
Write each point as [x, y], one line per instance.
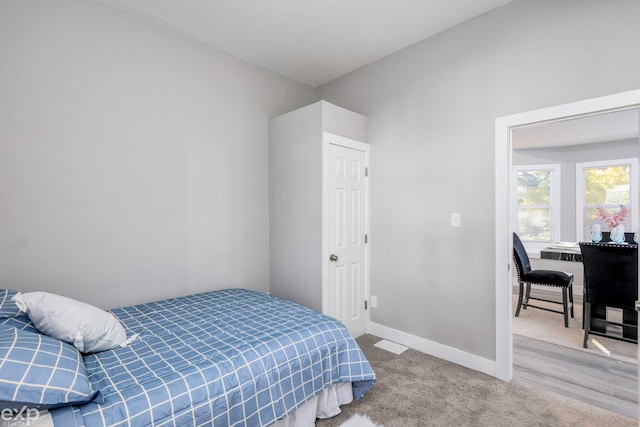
[529, 277]
[610, 280]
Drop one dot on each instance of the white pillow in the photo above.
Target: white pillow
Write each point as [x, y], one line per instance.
[90, 329]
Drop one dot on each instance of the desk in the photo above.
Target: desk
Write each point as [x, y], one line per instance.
[566, 253]
[561, 254]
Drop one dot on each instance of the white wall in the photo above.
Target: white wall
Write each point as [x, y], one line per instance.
[431, 110]
[133, 161]
[295, 205]
[297, 262]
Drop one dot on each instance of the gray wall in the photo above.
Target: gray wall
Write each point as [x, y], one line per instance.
[133, 160]
[567, 157]
[295, 206]
[432, 110]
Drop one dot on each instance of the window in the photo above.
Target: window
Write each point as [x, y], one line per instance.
[609, 184]
[536, 216]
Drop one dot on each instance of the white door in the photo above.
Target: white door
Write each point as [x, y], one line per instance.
[347, 227]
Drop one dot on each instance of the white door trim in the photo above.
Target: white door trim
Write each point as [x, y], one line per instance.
[503, 151]
[327, 139]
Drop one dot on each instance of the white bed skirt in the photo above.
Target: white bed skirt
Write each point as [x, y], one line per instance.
[325, 405]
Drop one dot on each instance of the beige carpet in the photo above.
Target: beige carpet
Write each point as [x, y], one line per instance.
[546, 326]
[414, 390]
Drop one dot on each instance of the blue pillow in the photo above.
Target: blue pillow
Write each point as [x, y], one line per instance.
[10, 314]
[41, 372]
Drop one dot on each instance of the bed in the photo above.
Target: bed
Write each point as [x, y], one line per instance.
[231, 357]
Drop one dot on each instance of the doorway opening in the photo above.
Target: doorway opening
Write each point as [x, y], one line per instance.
[511, 130]
[507, 129]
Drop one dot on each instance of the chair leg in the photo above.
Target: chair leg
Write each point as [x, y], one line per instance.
[520, 292]
[527, 295]
[571, 299]
[565, 306]
[587, 323]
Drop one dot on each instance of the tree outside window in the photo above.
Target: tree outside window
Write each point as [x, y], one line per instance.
[608, 184]
[608, 187]
[536, 215]
[534, 205]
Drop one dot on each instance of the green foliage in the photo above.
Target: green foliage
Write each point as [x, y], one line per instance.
[534, 187]
[607, 185]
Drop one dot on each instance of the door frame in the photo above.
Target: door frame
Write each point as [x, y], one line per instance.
[503, 241]
[328, 139]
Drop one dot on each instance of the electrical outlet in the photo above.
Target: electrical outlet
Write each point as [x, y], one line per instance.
[374, 301]
[455, 219]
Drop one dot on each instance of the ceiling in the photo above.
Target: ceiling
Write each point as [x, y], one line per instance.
[603, 127]
[311, 41]
[316, 41]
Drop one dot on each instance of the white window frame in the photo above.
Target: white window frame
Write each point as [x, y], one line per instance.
[534, 248]
[581, 233]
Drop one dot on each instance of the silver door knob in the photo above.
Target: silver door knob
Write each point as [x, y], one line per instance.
[333, 258]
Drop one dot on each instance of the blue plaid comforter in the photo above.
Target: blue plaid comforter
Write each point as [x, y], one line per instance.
[233, 357]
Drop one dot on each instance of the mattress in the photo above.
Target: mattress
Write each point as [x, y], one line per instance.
[232, 357]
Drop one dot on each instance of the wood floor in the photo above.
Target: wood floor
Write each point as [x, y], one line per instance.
[599, 381]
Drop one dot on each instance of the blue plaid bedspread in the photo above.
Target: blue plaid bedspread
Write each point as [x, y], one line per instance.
[232, 357]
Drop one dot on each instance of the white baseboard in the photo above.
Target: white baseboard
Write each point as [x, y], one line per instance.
[432, 348]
